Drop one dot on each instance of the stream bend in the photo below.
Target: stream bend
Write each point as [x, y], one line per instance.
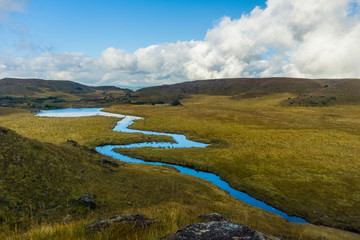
[180, 142]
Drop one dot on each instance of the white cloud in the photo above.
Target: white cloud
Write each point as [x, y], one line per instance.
[297, 38]
[13, 5]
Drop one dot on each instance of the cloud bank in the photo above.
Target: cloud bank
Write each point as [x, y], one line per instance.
[297, 38]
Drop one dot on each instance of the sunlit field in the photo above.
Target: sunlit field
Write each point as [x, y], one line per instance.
[301, 160]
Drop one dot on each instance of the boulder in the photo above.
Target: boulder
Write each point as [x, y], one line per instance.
[137, 219]
[109, 162]
[72, 143]
[87, 200]
[4, 130]
[217, 230]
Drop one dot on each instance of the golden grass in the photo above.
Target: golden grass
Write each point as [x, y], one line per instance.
[171, 217]
[300, 159]
[88, 131]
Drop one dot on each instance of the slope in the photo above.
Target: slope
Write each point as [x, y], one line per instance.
[37, 93]
[237, 87]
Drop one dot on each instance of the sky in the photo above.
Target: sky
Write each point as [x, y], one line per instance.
[142, 43]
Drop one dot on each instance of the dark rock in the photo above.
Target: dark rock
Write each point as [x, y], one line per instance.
[217, 230]
[4, 130]
[109, 162]
[212, 217]
[87, 200]
[137, 219]
[72, 143]
[93, 151]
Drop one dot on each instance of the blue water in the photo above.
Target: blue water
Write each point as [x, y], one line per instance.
[180, 142]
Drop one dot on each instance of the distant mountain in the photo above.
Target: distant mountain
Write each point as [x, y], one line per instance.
[37, 93]
[346, 90]
[241, 87]
[49, 94]
[35, 87]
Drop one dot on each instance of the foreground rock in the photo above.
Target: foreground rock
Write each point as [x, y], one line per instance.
[87, 200]
[217, 230]
[136, 219]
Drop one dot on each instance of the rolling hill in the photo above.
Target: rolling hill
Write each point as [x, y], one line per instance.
[47, 94]
[51, 94]
[308, 92]
[258, 145]
[239, 87]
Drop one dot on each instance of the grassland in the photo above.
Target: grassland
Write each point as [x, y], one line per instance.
[88, 131]
[302, 160]
[43, 94]
[41, 182]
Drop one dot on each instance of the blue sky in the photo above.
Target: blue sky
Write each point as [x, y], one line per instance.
[144, 43]
[90, 26]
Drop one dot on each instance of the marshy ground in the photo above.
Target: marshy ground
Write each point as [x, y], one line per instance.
[301, 160]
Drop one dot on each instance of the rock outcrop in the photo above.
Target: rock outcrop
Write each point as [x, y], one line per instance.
[138, 219]
[217, 230]
[87, 200]
[109, 162]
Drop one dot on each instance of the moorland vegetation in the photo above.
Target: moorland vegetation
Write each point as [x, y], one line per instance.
[303, 160]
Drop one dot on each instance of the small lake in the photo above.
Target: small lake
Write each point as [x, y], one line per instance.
[180, 142]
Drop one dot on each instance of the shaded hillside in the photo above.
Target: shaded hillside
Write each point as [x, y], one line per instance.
[46, 94]
[43, 183]
[40, 181]
[238, 87]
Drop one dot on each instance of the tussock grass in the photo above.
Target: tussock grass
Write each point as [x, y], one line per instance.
[172, 216]
[88, 131]
[301, 160]
[254, 148]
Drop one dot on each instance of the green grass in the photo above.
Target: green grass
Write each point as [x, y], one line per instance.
[250, 149]
[301, 160]
[44, 94]
[88, 131]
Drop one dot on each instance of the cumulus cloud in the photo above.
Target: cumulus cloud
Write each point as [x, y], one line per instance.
[297, 38]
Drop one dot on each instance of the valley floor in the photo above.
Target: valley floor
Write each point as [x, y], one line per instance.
[301, 160]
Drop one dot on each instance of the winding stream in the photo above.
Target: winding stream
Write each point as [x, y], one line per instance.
[180, 142]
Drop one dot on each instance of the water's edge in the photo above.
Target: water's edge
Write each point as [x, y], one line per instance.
[180, 142]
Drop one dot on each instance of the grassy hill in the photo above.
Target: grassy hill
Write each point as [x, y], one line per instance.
[301, 160]
[47, 94]
[40, 183]
[237, 87]
[307, 92]
[345, 91]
